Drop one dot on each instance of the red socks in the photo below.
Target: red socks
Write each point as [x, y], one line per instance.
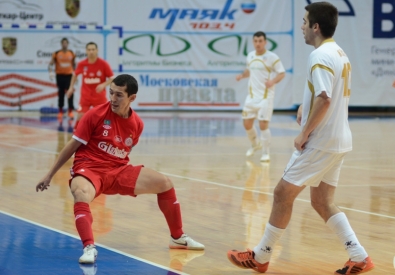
[170, 207]
[83, 222]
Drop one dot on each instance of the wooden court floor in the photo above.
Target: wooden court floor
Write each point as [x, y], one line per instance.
[225, 197]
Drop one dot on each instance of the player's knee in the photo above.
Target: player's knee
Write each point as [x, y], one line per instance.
[166, 185]
[282, 195]
[81, 194]
[319, 206]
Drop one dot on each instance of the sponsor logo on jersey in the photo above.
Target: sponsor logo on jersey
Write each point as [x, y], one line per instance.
[114, 151]
[107, 123]
[98, 73]
[9, 45]
[129, 141]
[93, 80]
[117, 139]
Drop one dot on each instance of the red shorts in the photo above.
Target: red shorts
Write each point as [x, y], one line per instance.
[111, 181]
[87, 102]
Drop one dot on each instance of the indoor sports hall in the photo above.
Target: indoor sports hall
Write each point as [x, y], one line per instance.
[185, 56]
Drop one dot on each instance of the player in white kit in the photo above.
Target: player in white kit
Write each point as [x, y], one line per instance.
[264, 70]
[324, 140]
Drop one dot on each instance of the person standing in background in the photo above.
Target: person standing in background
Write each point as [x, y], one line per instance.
[96, 76]
[64, 62]
[264, 70]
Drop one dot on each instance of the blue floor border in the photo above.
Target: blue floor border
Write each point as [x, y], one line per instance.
[30, 248]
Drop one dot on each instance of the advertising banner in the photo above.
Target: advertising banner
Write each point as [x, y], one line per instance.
[70, 12]
[186, 53]
[178, 45]
[26, 54]
[366, 32]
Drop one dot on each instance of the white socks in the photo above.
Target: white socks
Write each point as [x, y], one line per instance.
[265, 140]
[263, 251]
[339, 224]
[252, 134]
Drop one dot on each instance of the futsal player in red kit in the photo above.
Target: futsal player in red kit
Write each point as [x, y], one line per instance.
[96, 76]
[102, 143]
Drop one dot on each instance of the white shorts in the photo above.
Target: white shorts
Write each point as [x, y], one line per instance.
[311, 166]
[258, 108]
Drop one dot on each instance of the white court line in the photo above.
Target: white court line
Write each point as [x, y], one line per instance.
[97, 244]
[27, 148]
[368, 168]
[228, 186]
[271, 194]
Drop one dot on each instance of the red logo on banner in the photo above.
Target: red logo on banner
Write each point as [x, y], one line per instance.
[19, 90]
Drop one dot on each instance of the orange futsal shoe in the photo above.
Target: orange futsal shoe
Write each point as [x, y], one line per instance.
[70, 114]
[356, 267]
[245, 259]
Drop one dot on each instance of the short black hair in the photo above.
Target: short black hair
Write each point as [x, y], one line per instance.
[64, 39]
[260, 33]
[91, 43]
[129, 81]
[325, 15]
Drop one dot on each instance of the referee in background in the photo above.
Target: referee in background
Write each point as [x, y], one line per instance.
[64, 61]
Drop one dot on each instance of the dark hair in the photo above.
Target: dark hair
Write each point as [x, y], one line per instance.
[325, 15]
[129, 81]
[91, 43]
[64, 39]
[257, 34]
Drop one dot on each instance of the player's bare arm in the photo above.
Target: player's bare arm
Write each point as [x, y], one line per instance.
[299, 114]
[275, 80]
[63, 157]
[245, 74]
[320, 107]
[71, 89]
[50, 71]
[103, 85]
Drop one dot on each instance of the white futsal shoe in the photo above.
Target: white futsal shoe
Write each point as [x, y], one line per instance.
[265, 158]
[185, 242]
[89, 269]
[90, 255]
[265, 154]
[252, 150]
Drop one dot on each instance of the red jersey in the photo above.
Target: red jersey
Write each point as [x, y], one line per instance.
[93, 74]
[106, 138]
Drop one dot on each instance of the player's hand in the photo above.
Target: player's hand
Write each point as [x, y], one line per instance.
[299, 115]
[100, 87]
[70, 92]
[300, 141]
[43, 184]
[269, 83]
[51, 76]
[238, 77]
[393, 84]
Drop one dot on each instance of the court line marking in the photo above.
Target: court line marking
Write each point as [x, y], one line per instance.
[224, 185]
[271, 194]
[97, 244]
[52, 152]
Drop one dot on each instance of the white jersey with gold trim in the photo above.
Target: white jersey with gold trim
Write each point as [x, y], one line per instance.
[262, 68]
[329, 71]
